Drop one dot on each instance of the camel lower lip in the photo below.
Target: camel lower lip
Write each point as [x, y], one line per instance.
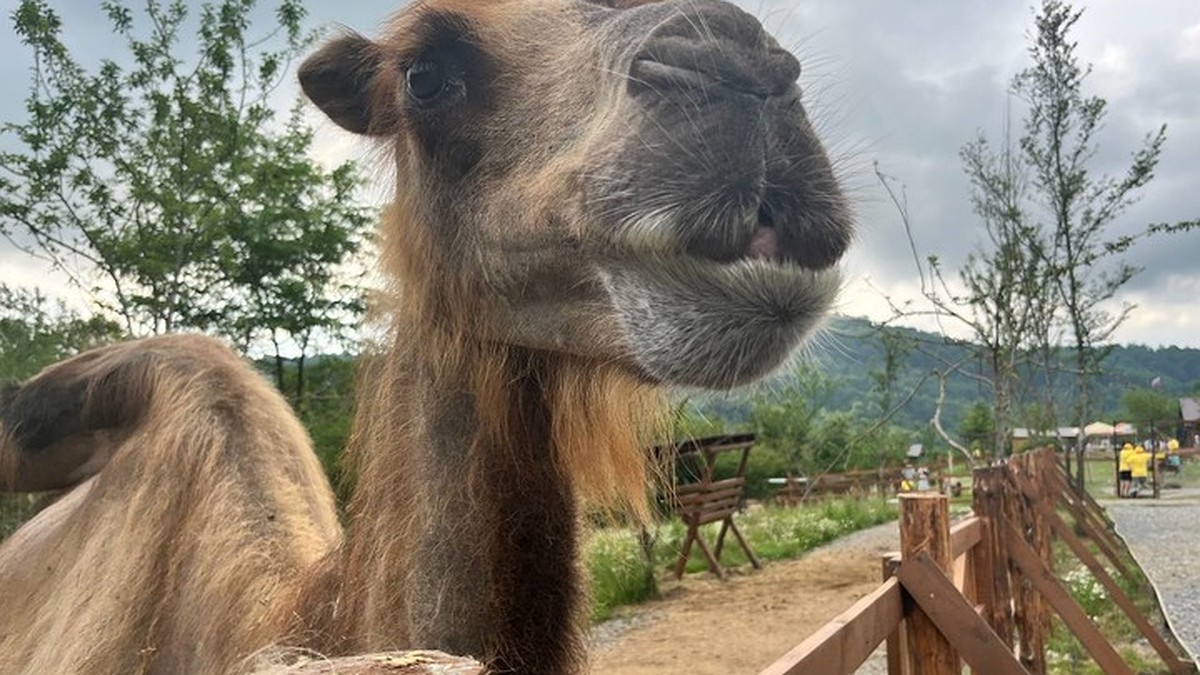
[698, 322]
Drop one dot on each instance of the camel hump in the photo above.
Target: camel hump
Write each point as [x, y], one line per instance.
[62, 425]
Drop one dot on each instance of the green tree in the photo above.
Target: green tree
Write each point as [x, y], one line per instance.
[896, 347]
[833, 444]
[1148, 408]
[783, 412]
[1058, 145]
[35, 332]
[978, 427]
[162, 184]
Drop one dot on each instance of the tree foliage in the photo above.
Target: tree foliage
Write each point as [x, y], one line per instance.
[35, 332]
[782, 416]
[1149, 408]
[161, 183]
[978, 426]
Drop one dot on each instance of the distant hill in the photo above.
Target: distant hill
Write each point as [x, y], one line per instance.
[853, 350]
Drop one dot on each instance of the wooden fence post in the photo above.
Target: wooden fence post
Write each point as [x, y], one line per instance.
[994, 592]
[925, 526]
[1029, 615]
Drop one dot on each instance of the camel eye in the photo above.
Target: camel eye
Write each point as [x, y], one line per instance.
[426, 81]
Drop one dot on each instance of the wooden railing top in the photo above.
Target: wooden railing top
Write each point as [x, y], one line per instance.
[846, 642]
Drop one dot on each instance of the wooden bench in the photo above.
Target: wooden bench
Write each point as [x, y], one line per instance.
[709, 501]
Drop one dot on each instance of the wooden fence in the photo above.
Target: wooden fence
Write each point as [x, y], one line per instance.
[983, 590]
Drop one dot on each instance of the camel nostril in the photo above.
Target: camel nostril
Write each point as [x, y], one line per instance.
[765, 217]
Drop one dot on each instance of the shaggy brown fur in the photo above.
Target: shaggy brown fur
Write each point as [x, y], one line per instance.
[593, 199]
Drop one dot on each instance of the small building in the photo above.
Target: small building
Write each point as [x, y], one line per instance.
[1023, 438]
[1189, 422]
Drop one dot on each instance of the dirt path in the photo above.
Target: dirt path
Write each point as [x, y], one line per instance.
[703, 626]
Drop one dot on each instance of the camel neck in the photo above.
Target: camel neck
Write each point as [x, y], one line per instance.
[464, 525]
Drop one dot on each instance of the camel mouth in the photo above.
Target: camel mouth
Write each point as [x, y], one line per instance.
[815, 242]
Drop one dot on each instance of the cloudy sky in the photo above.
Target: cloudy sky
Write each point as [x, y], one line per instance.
[906, 84]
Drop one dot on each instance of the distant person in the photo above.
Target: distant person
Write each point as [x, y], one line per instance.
[908, 478]
[922, 479]
[1139, 469]
[1173, 460]
[1124, 478]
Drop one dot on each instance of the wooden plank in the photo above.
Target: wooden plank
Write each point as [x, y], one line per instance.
[964, 535]
[1105, 539]
[703, 499]
[925, 527]
[702, 487]
[715, 516]
[897, 658]
[1079, 624]
[843, 644]
[959, 573]
[1091, 515]
[954, 616]
[1169, 657]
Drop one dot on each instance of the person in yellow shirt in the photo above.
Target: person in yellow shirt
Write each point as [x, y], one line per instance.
[1139, 469]
[1123, 476]
[1173, 460]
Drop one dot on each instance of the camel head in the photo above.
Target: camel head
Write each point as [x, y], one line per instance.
[635, 183]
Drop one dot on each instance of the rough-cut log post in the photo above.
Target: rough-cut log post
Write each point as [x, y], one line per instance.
[992, 572]
[1043, 464]
[1028, 606]
[925, 526]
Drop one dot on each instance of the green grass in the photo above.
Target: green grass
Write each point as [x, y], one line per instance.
[621, 573]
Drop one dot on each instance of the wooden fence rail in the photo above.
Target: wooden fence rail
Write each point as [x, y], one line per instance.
[982, 592]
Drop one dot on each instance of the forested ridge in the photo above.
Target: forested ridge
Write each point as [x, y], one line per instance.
[853, 350]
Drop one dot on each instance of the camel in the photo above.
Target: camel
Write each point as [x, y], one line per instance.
[593, 201]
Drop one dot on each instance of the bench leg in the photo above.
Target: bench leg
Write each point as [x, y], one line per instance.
[721, 538]
[713, 563]
[745, 547]
[685, 550]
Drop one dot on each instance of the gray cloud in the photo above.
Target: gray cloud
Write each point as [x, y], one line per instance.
[928, 76]
[906, 85]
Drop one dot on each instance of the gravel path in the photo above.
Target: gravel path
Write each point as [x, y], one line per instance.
[1162, 534]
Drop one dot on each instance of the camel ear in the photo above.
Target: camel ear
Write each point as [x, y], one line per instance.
[340, 79]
